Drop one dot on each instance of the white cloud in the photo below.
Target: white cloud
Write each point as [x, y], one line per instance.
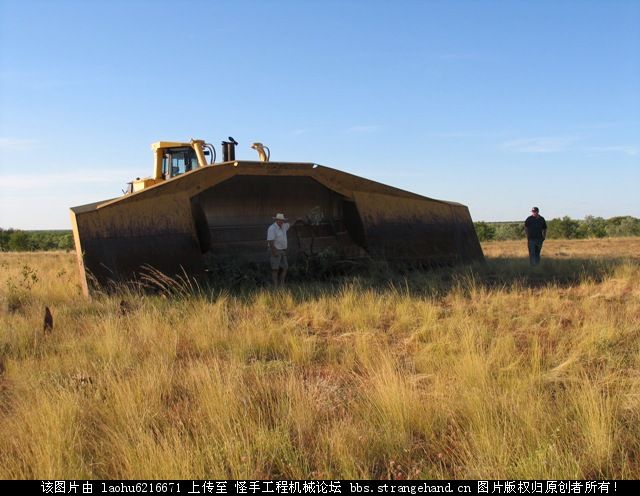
[363, 129]
[459, 56]
[539, 145]
[16, 143]
[604, 125]
[35, 80]
[456, 135]
[50, 179]
[552, 144]
[626, 149]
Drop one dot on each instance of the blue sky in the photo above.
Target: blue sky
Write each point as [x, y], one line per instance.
[499, 105]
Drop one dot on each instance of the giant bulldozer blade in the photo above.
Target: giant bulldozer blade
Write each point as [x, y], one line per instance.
[191, 211]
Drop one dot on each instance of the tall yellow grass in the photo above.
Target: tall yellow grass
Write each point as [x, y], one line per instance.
[488, 371]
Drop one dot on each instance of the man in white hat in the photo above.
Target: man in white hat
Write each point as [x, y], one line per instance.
[277, 241]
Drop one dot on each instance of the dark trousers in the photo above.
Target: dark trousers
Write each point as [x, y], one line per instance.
[535, 247]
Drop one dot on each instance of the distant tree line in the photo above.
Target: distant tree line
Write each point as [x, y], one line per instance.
[17, 240]
[564, 228]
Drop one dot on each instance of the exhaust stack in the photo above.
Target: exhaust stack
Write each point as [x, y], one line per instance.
[229, 150]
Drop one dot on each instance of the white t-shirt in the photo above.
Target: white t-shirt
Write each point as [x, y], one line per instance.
[278, 235]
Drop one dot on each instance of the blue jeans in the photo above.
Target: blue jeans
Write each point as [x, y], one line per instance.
[535, 247]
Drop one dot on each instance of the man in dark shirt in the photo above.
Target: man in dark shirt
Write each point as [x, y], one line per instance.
[536, 228]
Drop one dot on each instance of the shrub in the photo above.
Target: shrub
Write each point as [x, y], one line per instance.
[565, 228]
[19, 241]
[509, 230]
[623, 226]
[4, 239]
[18, 289]
[485, 231]
[65, 242]
[592, 227]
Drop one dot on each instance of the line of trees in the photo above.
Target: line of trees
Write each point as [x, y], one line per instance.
[17, 240]
[563, 228]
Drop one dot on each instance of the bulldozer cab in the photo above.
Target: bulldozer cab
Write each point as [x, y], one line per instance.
[178, 160]
[173, 159]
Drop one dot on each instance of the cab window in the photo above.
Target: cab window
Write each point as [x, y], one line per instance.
[176, 161]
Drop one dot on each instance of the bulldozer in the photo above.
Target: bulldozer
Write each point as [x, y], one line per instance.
[194, 210]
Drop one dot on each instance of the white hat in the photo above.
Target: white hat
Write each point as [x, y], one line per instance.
[279, 217]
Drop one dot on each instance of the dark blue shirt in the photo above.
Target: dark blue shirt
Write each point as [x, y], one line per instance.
[535, 226]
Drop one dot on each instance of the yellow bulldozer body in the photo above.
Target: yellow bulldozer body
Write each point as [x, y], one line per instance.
[222, 212]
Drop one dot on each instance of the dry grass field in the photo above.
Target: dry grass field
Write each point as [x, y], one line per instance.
[490, 371]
